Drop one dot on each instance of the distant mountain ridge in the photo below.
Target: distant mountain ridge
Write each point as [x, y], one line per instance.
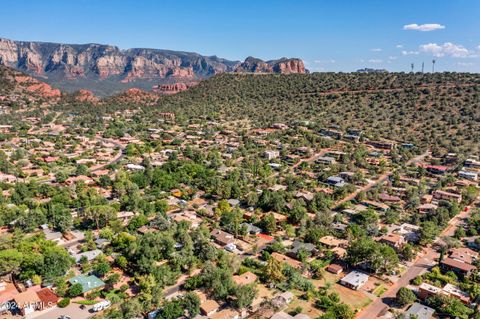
[106, 69]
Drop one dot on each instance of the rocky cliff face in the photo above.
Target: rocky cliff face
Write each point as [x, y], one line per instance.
[105, 69]
[282, 66]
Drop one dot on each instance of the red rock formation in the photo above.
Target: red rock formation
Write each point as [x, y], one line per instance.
[289, 66]
[44, 90]
[282, 66]
[86, 96]
[40, 88]
[136, 96]
[172, 88]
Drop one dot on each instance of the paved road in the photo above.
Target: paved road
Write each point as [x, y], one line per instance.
[311, 158]
[421, 264]
[172, 291]
[378, 181]
[116, 159]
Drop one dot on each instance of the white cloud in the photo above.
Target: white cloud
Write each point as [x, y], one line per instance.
[392, 57]
[399, 46]
[376, 50]
[465, 64]
[375, 61]
[410, 52]
[423, 27]
[446, 49]
[324, 61]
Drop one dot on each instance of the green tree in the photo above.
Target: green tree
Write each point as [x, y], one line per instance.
[405, 296]
[75, 290]
[428, 232]
[244, 295]
[274, 271]
[269, 223]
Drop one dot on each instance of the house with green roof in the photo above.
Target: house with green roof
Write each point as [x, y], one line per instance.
[89, 283]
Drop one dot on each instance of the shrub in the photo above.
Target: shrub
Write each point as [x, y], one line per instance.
[63, 303]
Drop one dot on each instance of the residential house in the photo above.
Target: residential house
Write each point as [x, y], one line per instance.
[287, 260]
[8, 291]
[209, 307]
[426, 199]
[326, 160]
[251, 229]
[125, 217]
[382, 145]
[474, 163]
[443, 195]
[436, 169]
[47, 298]
[135, 167]
[298, 246]
[246, 278]
[468, 175]
[463, 254]
[409, 232]
[419, 311]
[331, 133]
[354, 280]
[27, 302]
[426, 290]
[88, 283]
[222, 238]
[427, 208]
[284, 298]
[53, 235]
[376, 205]
[284, 315]
[393, 240]
[281, 315]
[225, 314]
[336, 181]
[455, 292]
[339, 252]
[271, 154]
[89, 255]
[386, 198]
[335, 269]
[332, 242]
[459, 267]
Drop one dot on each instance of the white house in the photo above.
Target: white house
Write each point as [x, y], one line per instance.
[354, 280]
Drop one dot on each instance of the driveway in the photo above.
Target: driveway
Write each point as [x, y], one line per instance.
[73, 311]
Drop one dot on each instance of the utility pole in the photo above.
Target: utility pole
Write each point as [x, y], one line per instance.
[433, 66]
[423, 64]
[412, 66]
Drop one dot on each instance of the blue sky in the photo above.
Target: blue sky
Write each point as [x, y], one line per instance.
[331, 35]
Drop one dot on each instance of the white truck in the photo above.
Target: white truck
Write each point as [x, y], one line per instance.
[101, 305]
